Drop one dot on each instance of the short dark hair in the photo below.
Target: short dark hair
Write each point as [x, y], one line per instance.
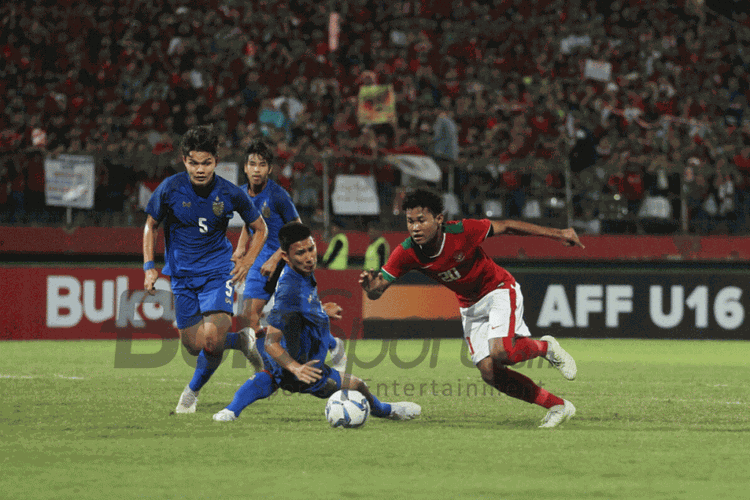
[424, 198]
[201, 138]
[292, 232]
[261, 148]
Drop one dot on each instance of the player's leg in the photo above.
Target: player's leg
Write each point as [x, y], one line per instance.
[477, 332]
[217, 297]
[510, 339]
[404, 410]
[259, 387]
[189, 320]
[521, 387]
[508, 334]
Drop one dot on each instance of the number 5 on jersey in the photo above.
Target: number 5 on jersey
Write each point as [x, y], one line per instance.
[202, 226]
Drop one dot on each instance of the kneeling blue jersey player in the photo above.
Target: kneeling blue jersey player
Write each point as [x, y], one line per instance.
[196, 206]
[298, 337]
[277, 208]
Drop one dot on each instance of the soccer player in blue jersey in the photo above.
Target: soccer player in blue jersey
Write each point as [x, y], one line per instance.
[196, 206]
[296, 340]
[277, 208]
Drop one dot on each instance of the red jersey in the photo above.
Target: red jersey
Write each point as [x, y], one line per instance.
[461, 264]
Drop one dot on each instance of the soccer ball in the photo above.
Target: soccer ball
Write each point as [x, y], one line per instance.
[347, 408]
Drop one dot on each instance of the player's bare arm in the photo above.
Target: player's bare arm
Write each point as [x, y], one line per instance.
[239, 252]
[373, 283]
[567, 236]
[269, 266]
[260, 233]
[306, 373]
[333, 310]
[149, 243]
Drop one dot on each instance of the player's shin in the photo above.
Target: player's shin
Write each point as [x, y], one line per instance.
[259, 387]
[204, 368]
[521, 387]
[378, 408]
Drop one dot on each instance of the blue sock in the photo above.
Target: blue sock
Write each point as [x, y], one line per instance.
[205, 367]
[379, 409]
[232, 341]
[259, 387]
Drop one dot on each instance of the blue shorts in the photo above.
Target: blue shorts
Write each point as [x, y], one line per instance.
[255, 285]
[283, 379]
[196, 296]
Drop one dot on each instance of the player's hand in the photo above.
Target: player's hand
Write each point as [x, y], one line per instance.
[333, 310]
[149, 281]
[366, 278]
[570, 238]
[308, 373]
[268, 267]
[237, 255]
[240, 271]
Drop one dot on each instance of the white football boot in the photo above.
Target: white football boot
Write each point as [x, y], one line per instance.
[249, 349]
[188, 401]
[404, 411]
[225, 415]
[559, 358]
[558, 414]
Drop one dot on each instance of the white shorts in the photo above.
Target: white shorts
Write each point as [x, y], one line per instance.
[498, 314]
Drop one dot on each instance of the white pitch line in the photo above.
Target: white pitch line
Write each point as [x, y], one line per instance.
[65, 377]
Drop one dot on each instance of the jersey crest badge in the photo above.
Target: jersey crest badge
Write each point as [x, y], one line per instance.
[266, 210]
[218, 207]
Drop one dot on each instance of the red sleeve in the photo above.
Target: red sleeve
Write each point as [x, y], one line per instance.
[399, 263]
[477, 230]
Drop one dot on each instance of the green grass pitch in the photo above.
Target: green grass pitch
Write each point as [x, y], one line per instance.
[656, 419]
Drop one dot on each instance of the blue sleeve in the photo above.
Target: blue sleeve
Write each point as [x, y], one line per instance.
[287, 304]
[157, 207]
[285, 206]
[246, 208]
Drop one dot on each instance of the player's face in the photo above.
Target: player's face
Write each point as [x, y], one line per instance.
[302, 256]
[200, 167]
[423, 226]
[257, 170]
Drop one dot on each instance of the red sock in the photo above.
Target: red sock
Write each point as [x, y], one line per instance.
[521, 387]
[523, 348]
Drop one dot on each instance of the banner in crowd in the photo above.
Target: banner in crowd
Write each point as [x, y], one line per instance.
[376, 104]
[70, 181]
[421, 167]
[598, 70]
[355, 195]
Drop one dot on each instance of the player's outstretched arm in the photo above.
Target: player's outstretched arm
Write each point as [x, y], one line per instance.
[149, 243]
[567, 236]
[306, 373]
[260, 233]
[373, 283]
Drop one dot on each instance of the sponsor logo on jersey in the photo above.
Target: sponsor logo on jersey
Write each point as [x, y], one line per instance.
[185, 204]
[218, 207]
[459, 257]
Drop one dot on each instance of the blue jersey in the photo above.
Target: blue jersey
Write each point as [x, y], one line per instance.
[195, 227]
[277, 208]
[299, 314]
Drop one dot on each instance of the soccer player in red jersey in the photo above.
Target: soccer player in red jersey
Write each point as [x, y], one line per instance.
[490, 299]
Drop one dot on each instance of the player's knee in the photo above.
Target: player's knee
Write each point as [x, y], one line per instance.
[213, 345]
[190, 347]
[499, 354]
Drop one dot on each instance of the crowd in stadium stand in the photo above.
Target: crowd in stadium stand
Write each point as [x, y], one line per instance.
[644, 102]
